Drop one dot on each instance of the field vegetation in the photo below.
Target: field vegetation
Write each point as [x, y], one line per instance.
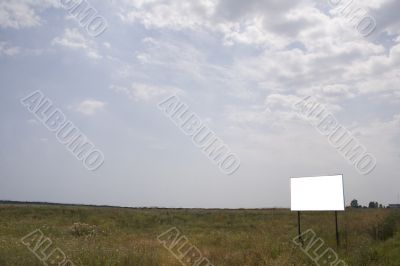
[127, 236]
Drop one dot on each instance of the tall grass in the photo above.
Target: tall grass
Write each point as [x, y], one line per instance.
[123, 236]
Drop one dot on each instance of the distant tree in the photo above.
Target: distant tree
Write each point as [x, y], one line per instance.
[373, 204]
[354, 204]
[380, 206]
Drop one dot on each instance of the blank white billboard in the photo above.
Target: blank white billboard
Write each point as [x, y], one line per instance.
[320, 193]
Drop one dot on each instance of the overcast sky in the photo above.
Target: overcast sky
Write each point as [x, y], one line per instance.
[239, 65]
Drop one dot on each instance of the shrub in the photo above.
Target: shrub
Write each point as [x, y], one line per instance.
[82, 229]
[384, 229]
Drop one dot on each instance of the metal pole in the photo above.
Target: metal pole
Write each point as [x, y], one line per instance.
[299, 228]
[337, 230]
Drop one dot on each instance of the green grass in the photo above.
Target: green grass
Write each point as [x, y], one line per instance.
[122, 236]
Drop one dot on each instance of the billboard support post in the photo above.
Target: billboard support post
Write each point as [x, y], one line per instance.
[337, 231]
[317, 193]
[299, 228]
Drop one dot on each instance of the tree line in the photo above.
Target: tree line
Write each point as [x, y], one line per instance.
[371, 204]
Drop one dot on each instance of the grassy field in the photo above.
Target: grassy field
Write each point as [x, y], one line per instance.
[124, 236]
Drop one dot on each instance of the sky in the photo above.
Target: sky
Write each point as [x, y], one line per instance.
[238, 65]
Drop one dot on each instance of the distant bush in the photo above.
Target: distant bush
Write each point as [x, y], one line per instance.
[386, 228]
[82, 229]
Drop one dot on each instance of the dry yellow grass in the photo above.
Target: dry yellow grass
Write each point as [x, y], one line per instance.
[123, 236]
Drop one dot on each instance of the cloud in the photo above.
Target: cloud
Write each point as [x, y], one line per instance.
[268, 23]
[90, 107]
[32, 121]
[6, 49]
[264, 23]
[74, 40]
[23, 13]
[301, 46]
[146, 92]
[175, 15]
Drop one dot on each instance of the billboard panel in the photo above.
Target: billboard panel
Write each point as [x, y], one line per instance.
[319, 193]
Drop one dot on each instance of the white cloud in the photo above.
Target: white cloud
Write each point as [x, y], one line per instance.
[6, 49]
[146, 92]
[23, 13]
[325, 52]
[32, 121]
[90, 107]
[75, 40]
[107, 44]
[178, 14]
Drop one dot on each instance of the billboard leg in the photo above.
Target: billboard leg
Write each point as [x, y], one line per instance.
[299, 228]
[337, 231]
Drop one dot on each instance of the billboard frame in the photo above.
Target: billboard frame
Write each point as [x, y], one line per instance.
[336, 217]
